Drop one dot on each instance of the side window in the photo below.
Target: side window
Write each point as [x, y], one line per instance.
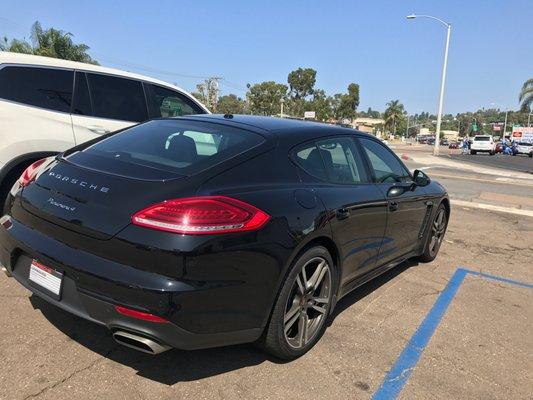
[341, 161]
[163, 102]
[334, 159]
[117, 98]
[386, 166]
[308, 158]
[41, 87]
[82, 100]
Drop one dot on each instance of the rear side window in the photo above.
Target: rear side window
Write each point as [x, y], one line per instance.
[387, 168]
[40, 87]
[163, 102]
[177, 146]
[333, 159]
[117, 98]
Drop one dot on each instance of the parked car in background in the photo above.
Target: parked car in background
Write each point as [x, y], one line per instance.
[48, 105]
[169, 244]
[453, 145]
[524, 148]
[444, 142]
[483, 144]
[431, 141]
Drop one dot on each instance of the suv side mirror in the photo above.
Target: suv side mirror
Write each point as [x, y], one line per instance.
[420, 178]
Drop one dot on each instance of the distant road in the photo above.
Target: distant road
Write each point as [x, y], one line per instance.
[517, 163]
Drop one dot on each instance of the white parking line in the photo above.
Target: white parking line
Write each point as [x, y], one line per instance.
[490, 207]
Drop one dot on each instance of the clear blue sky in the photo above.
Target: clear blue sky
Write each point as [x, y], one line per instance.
[367, 42]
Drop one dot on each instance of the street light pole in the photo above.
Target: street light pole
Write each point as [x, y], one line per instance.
[282, 101]
[443, 78]
[528, 119]
[505, 125]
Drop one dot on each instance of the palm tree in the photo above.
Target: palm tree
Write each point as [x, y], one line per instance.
[526, 94]
[50, 43]
[393, 114]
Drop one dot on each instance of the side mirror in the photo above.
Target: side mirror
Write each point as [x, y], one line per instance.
[420, 178]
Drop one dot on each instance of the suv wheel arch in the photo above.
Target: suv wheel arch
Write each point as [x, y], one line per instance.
[13, 169]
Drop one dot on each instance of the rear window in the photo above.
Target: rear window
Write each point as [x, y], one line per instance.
[525, 144]
[482, 138]
[178, 146]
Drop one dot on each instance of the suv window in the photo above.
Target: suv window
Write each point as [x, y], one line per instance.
[82, 99]
[333, 159]
[117, 98]
[386, 166]
[163, 102]
[41, 87]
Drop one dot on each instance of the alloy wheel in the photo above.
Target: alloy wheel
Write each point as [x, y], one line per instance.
[437, 231]
[308, 303]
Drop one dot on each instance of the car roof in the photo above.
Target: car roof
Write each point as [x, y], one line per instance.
[7, 57]
[276, 125]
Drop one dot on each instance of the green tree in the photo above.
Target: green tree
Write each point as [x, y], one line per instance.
[349, 102]
[49, 43]
[265, 97]
[301, 82]
[230, 104]
[320, 104]
[526, 95]
[393, 114]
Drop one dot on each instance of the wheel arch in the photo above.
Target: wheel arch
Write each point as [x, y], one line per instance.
[23, 159]
[12, 171]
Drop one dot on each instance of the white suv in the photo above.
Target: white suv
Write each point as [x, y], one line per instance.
[483, 144]
[48, 105]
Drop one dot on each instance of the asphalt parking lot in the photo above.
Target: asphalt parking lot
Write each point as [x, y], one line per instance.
[475, 345]
[519, 162]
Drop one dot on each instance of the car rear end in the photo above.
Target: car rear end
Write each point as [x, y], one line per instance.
[483, 144]
[115, 232]
[524, 148]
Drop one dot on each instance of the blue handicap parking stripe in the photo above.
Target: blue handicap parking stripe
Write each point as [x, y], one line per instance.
[397, 377]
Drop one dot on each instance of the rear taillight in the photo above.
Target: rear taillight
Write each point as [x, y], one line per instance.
[30, 173]
[139, 315]
[202, 216]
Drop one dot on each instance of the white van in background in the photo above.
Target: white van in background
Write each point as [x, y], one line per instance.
[483, 144]
[48, 105]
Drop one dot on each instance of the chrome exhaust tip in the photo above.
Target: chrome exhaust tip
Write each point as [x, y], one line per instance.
[139, 343]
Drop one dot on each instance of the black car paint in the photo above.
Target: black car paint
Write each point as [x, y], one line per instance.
[214, 289]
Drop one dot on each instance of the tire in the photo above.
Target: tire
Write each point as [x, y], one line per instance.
[304, 301]
[472, 152]
[491, 153]
[435, 235]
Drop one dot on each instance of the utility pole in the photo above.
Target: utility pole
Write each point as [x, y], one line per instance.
[209, 91]
[282, 101]
[212, 92]
[505, 125]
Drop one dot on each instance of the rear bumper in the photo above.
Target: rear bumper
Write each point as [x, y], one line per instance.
[93, 297]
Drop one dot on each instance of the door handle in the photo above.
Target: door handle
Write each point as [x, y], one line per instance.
[342, 213]
[98, 129]
[393, 205]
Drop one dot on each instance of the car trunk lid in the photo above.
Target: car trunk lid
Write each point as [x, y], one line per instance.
[97, 203]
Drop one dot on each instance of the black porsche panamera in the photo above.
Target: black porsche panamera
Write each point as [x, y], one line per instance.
[212, 230]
